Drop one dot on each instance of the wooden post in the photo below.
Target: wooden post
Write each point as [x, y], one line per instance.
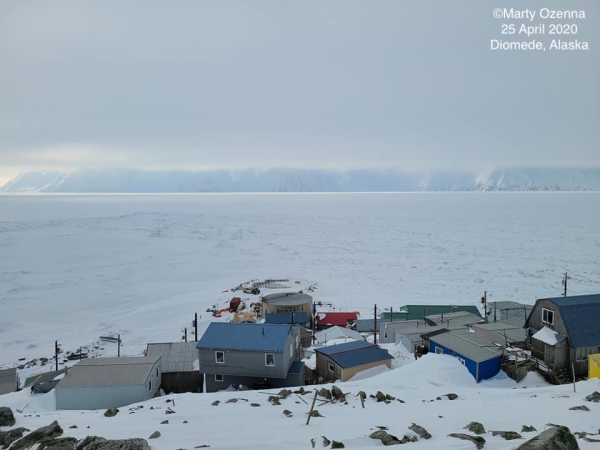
[312, 406]
[185, 334]
[56, 354]
[196, 327]
[375, 324]
[362, 401]
[118, 345]
[573, 369]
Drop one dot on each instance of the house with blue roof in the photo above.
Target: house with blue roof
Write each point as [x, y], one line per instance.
[343, 361]
[564, 331]
[258, 356]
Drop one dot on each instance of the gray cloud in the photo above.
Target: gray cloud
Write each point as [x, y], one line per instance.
[306, 84]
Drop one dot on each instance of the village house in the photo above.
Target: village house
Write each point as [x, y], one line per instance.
[252, 355]
[501, 332]
[9, 381]
[99, 383]
[564, 331]
[499, 311]
[459, 320]
[332, 319]
[337, 333]
[409, 333]
[179, 366]
[479, 355]
[343, 361]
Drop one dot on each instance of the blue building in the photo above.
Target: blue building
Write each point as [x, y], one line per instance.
[479, 355]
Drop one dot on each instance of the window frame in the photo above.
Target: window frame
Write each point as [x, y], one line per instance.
[217, 357]
[439, 350]
[267, 359]
[546, 315]
[331, 367]
[217, 379]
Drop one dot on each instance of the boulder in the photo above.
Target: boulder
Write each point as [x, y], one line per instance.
[315, 413]
[336, 392]
[475, 427]
[527, 429]
[477, 440]
[100, 443]
[287, 413]
[589, 439]
[593, 397]
[7, 418]
[111, 412]
[380, 396]
[326, 441]
[231, 400]
[579, 408]
[422, 432]
[48, 432]
[385, 437]
[155, 435]
[255, 405]
[285, 393]
[274, 400]
[552, 439]
[508, 435]
[451, 396]
[10, 436]
[362, 394]
[165, 422]
[216, 403]
[323, 392]
[554, 425]
[66, 443]
[336, 444]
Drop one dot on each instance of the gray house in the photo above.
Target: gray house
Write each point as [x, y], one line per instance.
[9, 381]
[99, 383]
[459, 320]
[563, 331]
[255, 355]
[408, 333]
[179, 366]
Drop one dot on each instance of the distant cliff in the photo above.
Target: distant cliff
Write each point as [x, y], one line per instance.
[298, 180]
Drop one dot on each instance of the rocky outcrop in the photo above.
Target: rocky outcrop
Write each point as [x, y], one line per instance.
[508, 435]
[66, 443]
[7, 418]
[155, 435]
[10, 436]
[552, 439]
[111, 412]
[41, 434]
[579, 408]
[422, 432]
[527, 429]
[100, 443]
[593, 397]
[477, 440]
[475, 427]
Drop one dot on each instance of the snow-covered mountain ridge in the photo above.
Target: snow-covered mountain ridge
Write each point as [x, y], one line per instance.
[302, 180]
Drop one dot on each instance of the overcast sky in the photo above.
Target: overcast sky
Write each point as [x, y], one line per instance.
[334, 84]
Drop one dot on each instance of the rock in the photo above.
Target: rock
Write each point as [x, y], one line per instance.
[326, 441]
[73, 426]
[185, 421]
[579, 408]
[362, 394]
[154, 435]
[203, 446]
[406, 439]
[312, 442]
[451, 396]
[380, 396]
[323, 392]
[111, 412]
[593, 397]
[422, 432]
[287, 413]
[285, 393]
[552, 439]
[527, 429]
[215, 403]
[553, 425]
[48, 432]
[7, 418]
[100, 443]
[389, 397]
[169, 411]
[475, 427]
[232, 400]
[315, 413]
[66, 443]
[165, 422]
[10, 436]
[255, 405]
[508, 435]
[274, 400]
[589, 439]
[336, 444]
[477, 440]
[385, 437]
[336, 391]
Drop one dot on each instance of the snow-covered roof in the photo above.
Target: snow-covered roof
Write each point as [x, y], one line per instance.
[549, 336]
[336, 333]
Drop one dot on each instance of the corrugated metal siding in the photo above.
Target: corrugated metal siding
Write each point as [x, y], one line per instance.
[350, 355]
[454, 321]
[245, 336]
[8, 381]
[175, 356]
[296, 318]
[582, 323]
[470, 345]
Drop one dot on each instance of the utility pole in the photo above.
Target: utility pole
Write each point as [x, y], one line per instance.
[391, 313]
[484, 301]
[564, 283]
[196, 327]
[495, 307]
[56, 354]
[185, 334]
[375, 324]
[118, 345]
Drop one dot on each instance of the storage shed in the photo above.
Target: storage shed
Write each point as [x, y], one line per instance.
[9, 381]
[287, 302]
[343, 361]
[481, 356]
[99, 383]
[180, 366]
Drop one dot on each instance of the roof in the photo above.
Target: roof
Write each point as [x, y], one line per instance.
[299, 317]
[108, 372]
[287, 299]
[395, 314]
[581, 317]
[175, 356]
[356, 353]
[420, 311]
[42, 377]
[336, 318]
[296, 367]
[245, 336]
[454, 320]
[367, 325]
[548, 336]
[415, 332]
[504, 332]
[8, 380]
[337, 332]
[468, 344]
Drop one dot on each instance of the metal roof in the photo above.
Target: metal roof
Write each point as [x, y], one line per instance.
[337, 332]
[352, 354]
[468, 344]
[414, 333]
[581, 316]
[245, 336]
[420, 311]
[175, 356]
[300, 317]
[108, 372]
[42, 377]
[296, 367]
[287, 299]
[366, 325]
[459, 320]
[8, 380]
[504, 333]
[336, 318]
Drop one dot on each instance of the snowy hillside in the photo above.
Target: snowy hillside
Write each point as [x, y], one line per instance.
[296, 180]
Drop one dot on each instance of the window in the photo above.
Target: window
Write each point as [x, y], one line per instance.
[548, 316]
[385, 334]
[218, 377]
[150, 385]
[331, 368]
[269, 359]
[220, 357]
[462, 361]
[157, 372]
[439, 350]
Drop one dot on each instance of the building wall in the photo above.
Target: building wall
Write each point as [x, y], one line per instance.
[535, 321]
[349, 372]
[594, 366]
[323, 371]
[291, 380]
[489, 368]
[486, 369]
[268, 308]
[180, 382]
